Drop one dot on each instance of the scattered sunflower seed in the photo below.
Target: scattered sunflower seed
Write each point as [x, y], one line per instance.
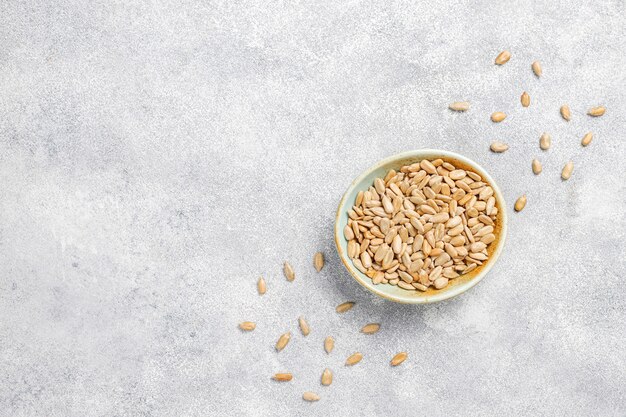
[248, 326]
[520, 203]
[567, 171]
[327, 377]
[310, 396]
[288, 271]
[370, 328]
[398, 358]
[537, 168]
[586, 139]
[498, 116]
[261, 287]
[354, 359]
[304, 326]
[536, 66]
[503, 57]
[282, 377]
[282, 341]
[343, 307]
[459, 106]
[329, 344]
[596, 111]
[318, 261]
[565, 112]
[525, 99]
[498, 147]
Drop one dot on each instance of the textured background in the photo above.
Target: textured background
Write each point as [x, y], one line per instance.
[156, 157]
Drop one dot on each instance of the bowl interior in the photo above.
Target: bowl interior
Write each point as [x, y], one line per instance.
[455, 286]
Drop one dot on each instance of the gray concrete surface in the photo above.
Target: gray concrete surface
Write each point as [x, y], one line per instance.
[156, 157]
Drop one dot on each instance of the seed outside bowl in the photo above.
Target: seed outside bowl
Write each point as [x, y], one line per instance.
[394, 293]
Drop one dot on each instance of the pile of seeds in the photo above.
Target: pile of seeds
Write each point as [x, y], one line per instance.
[422, 226]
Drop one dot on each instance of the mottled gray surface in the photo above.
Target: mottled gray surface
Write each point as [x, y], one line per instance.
[156, 157]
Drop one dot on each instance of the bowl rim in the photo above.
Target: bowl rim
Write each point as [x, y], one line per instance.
[443, 295]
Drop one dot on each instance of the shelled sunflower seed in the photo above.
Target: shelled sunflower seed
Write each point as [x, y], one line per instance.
[459, 106]
[247, 326]
[304, 326]
[586, 140]
[354, 359]
[282, 341]
[536, 66]
[565, 112]
[499, 147]
[327, 377]
[370, 328]
[318, 261]
[329, 344]
[567, 171]
[261, 286]
[498, 116]
[503, 57]
[537, 168]
[596, 111]
[310, 396]
[288, 271]
[419, 226]
[398, 358]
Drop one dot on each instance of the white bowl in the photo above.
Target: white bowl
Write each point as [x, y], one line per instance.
[456, 286]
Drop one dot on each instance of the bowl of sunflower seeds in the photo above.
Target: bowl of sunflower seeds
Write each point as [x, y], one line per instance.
[421, 226]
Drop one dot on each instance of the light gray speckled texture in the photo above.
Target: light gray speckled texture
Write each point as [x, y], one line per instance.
[156, 157]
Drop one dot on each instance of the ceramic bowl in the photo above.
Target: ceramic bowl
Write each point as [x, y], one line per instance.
[456, 286]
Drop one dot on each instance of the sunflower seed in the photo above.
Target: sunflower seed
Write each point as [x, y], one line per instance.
[354, 359]
[261, 287]
[343, 307]
[497, 117]
[520, 203]
[499, 147]
[282, 341]
[525, 99]
[536, 66]
[327, 377]
[427, 166]
[536, 165]
[596, 111]
[247, 326]
[348, 233]
[586, 139]
[282, 377]
[398, 358]
[567, 171]
[545, 141]
[304, 326]
[440, 283]
[459, 106]
[318, 261]
[329, 344]
[353, 249]
[370, 328]
[310, 396]
[503, 57]
[565, 112]
[288, 271]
